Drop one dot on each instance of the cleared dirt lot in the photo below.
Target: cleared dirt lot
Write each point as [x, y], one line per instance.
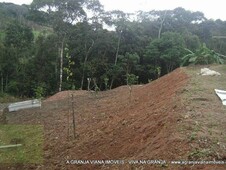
[177, 117]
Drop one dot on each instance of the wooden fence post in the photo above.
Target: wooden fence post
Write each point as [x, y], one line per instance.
[73, 113]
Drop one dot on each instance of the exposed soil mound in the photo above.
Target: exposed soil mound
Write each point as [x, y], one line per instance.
[114, 125]
[65, 94]
[140, 127]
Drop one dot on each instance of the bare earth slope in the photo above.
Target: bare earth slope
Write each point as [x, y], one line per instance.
[176, 117]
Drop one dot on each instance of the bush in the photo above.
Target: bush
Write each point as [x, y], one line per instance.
[40, 91]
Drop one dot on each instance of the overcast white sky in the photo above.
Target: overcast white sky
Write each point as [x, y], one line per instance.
[214, 9]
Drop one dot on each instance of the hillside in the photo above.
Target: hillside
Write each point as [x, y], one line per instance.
[177, 117]
[10, 12]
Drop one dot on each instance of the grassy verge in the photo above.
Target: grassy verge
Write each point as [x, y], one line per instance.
[204, 120]
[31, 137]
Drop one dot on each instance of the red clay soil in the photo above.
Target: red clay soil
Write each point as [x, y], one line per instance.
[114, 126]
[64, 94]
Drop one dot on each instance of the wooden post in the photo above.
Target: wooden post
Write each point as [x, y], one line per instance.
[73, 113]
[68, 116]
[10, 146]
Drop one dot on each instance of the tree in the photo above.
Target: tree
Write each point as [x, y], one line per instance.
[63, 14]
[131, 79]
[68, 69]
[85, 34]
[19, 43]
[162, 20]
[192, 41]
[166, 52]
[128, 62]
[10, 12]
[46, 62]
[19, 37]
[171, 46]
[118, 19]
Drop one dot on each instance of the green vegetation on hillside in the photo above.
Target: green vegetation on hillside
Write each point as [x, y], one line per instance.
[38, 46]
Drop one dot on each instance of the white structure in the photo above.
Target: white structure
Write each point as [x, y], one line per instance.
[24, 105]
[222, 95]
[208, 72]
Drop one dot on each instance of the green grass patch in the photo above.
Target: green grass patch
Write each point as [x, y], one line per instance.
[198, 154]
[31, 137]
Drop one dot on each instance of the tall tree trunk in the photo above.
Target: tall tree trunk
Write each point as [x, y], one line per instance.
[84, 64]
[118, 45]
[127, 75]
[89, 81]
[56, 64]
[6, 82]
[116, 58]
[161, 26]
[61, 64]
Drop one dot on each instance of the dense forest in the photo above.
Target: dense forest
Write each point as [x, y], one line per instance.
[50, 46]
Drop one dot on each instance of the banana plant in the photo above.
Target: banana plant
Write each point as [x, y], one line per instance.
[203, 55]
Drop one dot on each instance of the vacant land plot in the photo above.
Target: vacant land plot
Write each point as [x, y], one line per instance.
[175, 118]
